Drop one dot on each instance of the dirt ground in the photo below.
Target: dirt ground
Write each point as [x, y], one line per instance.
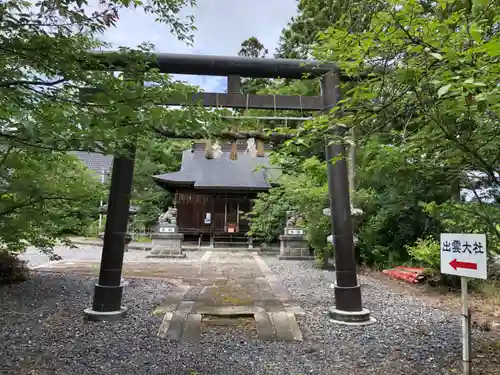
[484, 308]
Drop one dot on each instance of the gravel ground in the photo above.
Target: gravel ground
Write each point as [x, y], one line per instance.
[43, 332]
[81, 252]
[408, 338]
[90, 253]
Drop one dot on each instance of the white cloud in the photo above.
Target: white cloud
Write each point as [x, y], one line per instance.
[222, 26]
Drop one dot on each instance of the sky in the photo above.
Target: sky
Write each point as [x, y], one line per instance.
[222, 26]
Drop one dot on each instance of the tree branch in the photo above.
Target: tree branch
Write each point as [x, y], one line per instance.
[412, 38]
[481, 215]
[25, 142]
[34, 201]
[29, 83]
[464, 148]
[6, 154]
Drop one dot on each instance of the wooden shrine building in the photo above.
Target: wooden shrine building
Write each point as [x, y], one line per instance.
[214, 189]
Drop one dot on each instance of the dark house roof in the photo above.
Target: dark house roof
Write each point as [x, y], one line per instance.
[245, 173]
[98, 163]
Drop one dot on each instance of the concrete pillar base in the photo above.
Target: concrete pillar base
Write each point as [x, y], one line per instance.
[351, 318]
[107, 316]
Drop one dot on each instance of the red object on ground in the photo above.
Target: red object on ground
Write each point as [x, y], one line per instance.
[411, 269]
[411, 275]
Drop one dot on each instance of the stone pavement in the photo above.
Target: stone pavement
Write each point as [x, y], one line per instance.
[220, 287]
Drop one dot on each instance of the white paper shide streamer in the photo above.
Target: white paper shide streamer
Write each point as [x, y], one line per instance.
[251, 147]
[217, 150]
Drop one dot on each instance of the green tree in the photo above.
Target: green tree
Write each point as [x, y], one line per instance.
[162, 156]
[252, 47]
[314, 16]
[393, 216]
[426, 106]
[45, 54]
[44, 196]
[423, 99]
[44, 63]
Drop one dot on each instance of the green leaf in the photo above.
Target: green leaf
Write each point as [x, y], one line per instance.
[481, 3]
[443, 90]
[436, 55]
[476, 32]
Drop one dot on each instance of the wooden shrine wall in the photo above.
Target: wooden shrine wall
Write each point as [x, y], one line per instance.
[225, 210]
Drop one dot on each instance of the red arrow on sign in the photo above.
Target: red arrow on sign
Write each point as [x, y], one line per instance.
[457, 264]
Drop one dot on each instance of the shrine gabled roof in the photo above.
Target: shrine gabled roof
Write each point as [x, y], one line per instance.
[245, 173]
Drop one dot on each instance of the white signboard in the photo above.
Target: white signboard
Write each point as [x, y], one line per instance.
[295, 231]
[167, 229]
[208, 218]
[464, 255]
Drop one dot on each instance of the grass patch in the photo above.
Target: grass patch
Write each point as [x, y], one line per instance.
[226, 295]
[142, 239]
[487, 298]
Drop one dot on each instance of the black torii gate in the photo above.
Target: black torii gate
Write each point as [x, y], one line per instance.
[108, 291]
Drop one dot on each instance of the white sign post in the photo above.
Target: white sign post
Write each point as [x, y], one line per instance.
[464, 255]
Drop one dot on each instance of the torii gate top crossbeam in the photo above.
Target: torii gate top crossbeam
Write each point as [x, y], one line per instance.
[211, 65]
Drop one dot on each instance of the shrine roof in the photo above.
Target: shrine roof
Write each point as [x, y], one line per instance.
[245, 173]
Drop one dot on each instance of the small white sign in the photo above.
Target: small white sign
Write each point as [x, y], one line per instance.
[167, 230]
[295, 231]
[464, 255]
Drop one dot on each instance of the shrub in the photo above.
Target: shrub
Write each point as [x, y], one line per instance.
[318, 229]
[268, 216]
[471, 217]
[12, 269]
[427, 251]
[305, 193]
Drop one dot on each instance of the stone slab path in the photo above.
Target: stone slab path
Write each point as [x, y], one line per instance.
[221, 286]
